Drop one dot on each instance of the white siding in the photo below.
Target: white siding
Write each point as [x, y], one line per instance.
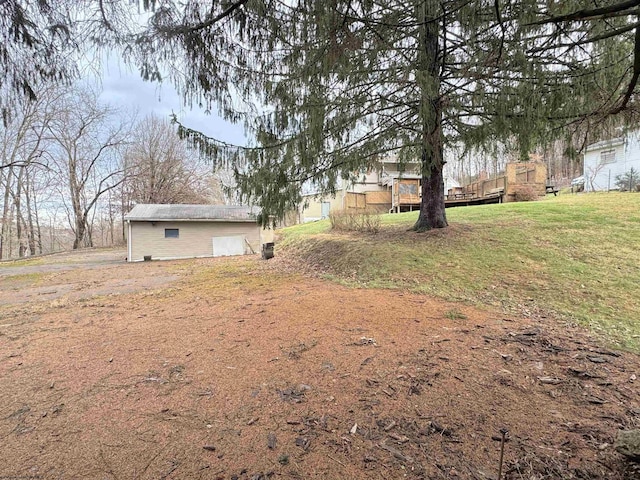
[602, 176]
[313, 209]
[365, 182]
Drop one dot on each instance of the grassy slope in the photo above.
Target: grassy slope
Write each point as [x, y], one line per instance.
[574, 256]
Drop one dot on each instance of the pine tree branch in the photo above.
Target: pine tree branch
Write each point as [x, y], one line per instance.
[496, 5]
[587, 40]
[103, 14]
[189, 29]
[634, 78]
[602, 12]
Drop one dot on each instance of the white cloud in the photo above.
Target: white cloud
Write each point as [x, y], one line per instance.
[123, 87]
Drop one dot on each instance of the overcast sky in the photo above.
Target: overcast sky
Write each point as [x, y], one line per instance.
[123, 87]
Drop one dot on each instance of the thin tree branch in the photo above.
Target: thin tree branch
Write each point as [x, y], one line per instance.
[589, 14]
[184, 29]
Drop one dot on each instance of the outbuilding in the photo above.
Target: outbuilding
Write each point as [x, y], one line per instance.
[164, 232]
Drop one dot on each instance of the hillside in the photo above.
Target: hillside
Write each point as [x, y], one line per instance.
[239, 368]
[573, 257]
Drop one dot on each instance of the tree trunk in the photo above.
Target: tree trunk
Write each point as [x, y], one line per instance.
[9, 238]
[123, 207]
[80, 232]
[112, 214]
[75, 189]
[432, 211]
[6, 220]
[52, 235]
[31, 233]
[36, 218]
[20, 223]
[89, 224]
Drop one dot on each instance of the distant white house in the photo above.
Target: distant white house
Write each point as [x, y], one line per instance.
[604, 160]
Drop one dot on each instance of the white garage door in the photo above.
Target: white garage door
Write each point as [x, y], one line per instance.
[226, 246]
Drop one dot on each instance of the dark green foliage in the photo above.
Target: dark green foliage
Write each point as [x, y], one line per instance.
[327, 88]
[35, 38]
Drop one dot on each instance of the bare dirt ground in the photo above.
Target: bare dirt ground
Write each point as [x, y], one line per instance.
[236, 369]
[75, 276]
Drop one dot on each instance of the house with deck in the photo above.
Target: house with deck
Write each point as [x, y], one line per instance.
[388, 187]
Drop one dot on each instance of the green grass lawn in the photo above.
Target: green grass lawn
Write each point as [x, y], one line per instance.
[576, 257]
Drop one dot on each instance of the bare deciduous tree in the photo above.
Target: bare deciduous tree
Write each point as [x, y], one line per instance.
[87, 157]
[21, 159]
[162, 167]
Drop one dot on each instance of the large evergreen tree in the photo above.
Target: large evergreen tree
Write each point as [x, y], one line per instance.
[343, 83]
[35, 39]
[325, 88]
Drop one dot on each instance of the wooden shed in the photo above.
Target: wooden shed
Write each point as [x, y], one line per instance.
[163, 232]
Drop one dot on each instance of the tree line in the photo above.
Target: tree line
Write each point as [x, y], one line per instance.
[324, 88]
[71, 167]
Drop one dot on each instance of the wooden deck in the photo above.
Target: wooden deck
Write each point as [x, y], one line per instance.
[466, 199]
[456, 200]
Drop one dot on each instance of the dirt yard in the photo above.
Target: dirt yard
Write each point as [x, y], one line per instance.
[237, 369]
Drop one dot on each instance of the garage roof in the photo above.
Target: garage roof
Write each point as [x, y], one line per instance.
[198, 213]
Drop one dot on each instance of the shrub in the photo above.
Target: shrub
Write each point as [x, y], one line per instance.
[525, 193]
[355, 221]
[628, 181]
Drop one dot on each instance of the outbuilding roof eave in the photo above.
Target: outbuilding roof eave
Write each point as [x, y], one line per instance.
[614, 142]
[228, 220]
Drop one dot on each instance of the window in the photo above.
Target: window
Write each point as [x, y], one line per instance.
[408, 189]
[608, 156]
[171, 233]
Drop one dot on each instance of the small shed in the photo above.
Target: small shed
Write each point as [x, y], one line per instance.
[164, 232]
